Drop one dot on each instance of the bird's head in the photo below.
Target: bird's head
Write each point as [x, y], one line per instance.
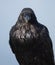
[27, 15]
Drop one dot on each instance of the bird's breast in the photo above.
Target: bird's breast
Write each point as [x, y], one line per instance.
[25, 32]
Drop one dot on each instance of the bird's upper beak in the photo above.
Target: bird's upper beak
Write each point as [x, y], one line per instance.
[27, 17]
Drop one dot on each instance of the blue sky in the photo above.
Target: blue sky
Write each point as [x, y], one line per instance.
[9, 12]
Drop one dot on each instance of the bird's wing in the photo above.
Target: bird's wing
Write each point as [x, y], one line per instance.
[47, 45]
[11, 39]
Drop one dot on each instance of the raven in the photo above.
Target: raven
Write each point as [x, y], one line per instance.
[30, 40]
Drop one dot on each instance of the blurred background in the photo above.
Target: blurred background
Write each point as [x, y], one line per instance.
[9, 12]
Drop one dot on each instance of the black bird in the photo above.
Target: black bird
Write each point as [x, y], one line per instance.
[30, 40]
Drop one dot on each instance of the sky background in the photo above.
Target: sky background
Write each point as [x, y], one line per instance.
[9, 12]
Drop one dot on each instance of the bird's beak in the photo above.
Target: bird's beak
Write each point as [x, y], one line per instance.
[27, 18]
